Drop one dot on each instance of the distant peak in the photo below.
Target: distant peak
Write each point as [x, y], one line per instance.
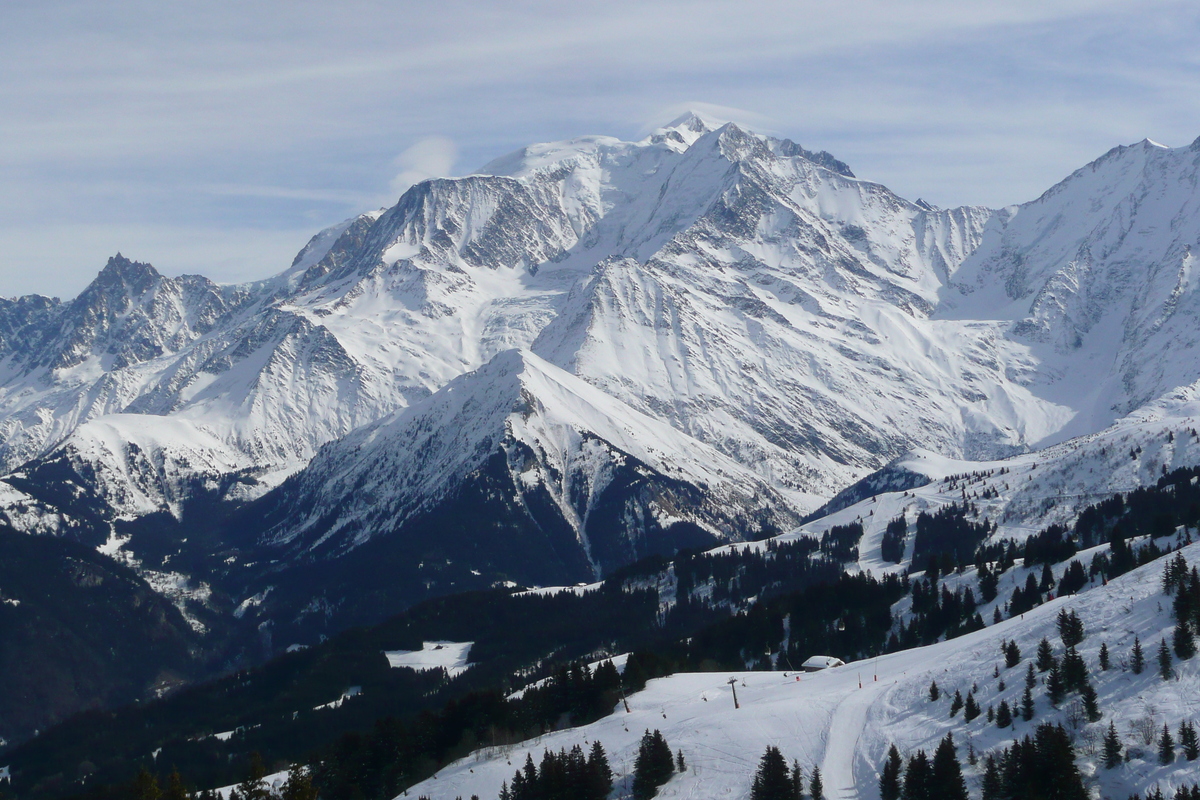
[694, 122]
[133, 274]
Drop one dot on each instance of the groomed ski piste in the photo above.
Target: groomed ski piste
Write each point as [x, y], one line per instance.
[842, 720]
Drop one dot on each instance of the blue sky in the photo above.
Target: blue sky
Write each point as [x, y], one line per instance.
[216, 137]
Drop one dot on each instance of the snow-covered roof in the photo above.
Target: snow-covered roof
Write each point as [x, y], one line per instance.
[822, 662]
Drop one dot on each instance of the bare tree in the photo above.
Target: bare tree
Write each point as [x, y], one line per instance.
[1145, 728]
[1075, 715]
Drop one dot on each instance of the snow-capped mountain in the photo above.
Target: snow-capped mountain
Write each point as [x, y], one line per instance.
[725, 295]
[516, 471]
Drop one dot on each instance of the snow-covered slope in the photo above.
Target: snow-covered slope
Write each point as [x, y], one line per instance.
[843, 719]
[1026, 493]
[519, 471]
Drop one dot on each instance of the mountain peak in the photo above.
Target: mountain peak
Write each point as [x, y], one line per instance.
[695, 122]
[134, 275]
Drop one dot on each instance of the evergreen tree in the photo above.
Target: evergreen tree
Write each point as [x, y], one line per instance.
[299, 785]
[599, 779]
[815, 787]
[145, 786]
[1112, 747]
[797, 780]
[1091, 704]
[175, 788]
[1137, 660]
[254, 787]
[1164, 660]
[1012, 655]
[889, 777]
[917, 777]
[1055, 688]
[1074, 670]
[1045, 655]
[1003, 715]
[1104, 657]
[1188, 741]
[946, 780]
[1027, 704]
[680, 764]
[653, 766]
[957, 703]
[1047, 581]
[1070, 628]
[1166, 746]
[934, 693]
[971, 708]
[1030, 678]
[773, 781]
[1183, 640]
[992, 785]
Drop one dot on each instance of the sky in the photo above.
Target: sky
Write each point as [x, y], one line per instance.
[217, 137]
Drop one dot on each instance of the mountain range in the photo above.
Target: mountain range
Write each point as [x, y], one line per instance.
[593, 351]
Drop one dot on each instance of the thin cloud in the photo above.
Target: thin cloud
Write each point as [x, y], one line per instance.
[431, 157]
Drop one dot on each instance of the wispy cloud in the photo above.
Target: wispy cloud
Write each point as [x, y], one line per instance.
[431, 157]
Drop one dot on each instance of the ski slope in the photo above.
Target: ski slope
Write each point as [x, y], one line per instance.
[844, 719]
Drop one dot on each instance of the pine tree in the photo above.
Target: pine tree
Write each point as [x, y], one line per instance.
[1047, 581]
[957, 703]
[1070, 628]
[680, 764]
[1074, 670]
[1164, 660]
[145, 786]
[299, 785]
[934, 692]
[1137, 660]
[653, 766]
[773, 780]
[917, 777]
[1003, 715]
[1012, 655]
[1045, 655]
[1091, 703]
[815, 787]
[1189, 741]
[599, 779]
[1183, 640]
[889, 777]
[971, 708]
[1027, 704]
[992, 784]
[1166, 746]
[1112, 747]
[175, 788]
[1030, 678]
[1104, 657]
[946, 780]
[1055, 688]
[254, 787]
[797, 780]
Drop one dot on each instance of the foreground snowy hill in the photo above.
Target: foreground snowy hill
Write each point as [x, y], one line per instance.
[842, 720]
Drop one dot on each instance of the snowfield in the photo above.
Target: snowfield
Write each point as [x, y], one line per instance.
[450, 656]
[843, 719]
